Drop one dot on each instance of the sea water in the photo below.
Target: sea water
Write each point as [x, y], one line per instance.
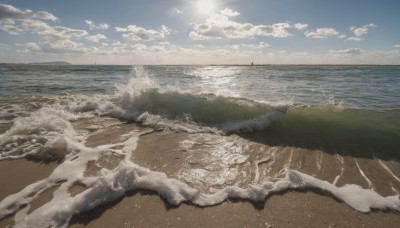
[237, 122]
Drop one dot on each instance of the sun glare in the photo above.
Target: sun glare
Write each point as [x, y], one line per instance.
[205, 6]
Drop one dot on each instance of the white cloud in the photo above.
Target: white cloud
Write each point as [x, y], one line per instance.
[16, 21]
[349, 51]
[264, 45]
[229, 13]
[321, 33]
[3, 46]
[65, 46]
[10, 14]
[220, 26]
[360, 32]
[96, 26]
[56, 39]
[30, 45]
[355, 38]
[133, 32]
[11, 29]
[59, 47]
[96, 38]
[48, 32]
[396, 46]
[300, 26]
[251, 46]
[177, 11]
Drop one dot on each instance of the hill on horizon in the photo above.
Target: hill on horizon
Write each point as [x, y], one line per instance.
[51, 63]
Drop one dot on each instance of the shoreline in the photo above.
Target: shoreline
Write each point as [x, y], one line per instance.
[147, 209]
[304, 208]
[290, 209]
[15, 175]
[211, 64]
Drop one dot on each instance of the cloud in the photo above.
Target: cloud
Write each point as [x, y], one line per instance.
[55, 39]
[350, 51]
[229, 13]
[48, 32]
[66, 46]
[96, 38]
[133, 32]
[251, 46]
[30, 45]
[4, 46]
[300, 26]
[16, 21]
[264, 45]
[220, 26]
[11, 29]
[58, 47]
[96, 26]
[360, 32]
[396, 46]
[10, 14]
[176, 11]
[321, 33]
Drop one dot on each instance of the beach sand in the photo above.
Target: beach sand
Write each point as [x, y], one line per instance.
[162, 151]
[16, 174]
[292, 209]
[146, 209]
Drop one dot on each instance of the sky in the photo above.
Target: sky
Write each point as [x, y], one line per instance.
[200, 31]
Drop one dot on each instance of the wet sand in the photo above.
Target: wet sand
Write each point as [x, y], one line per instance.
[162, 151]
[16, 174]
[145, 209]
[292, 209]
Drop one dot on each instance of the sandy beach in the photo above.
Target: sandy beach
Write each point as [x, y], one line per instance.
[149, 153]
[304, 208]
[146, 209]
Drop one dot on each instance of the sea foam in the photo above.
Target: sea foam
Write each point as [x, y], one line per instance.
[50, 129]
[142, 100]
[109, 185]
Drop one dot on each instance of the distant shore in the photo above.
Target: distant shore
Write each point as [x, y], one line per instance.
[62, 63]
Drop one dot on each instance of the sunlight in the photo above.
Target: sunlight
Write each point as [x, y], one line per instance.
[205, 6]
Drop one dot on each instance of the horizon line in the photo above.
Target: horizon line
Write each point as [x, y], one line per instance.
[201, 64]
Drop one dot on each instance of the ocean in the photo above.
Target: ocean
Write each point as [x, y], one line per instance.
[199, 134]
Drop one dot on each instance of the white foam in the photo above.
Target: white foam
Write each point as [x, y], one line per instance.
[49, 129]
[257, 170]
[142, 100]
[360, 199]
[341, 159]
[158, 122]
[110, 185]
[388, 170]
[257, 124]
[216, 159]
[363, 175]
[319, 159]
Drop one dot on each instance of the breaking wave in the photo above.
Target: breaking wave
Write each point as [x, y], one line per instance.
[48, 133]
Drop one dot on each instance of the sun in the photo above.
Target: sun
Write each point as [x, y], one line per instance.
[205, 6]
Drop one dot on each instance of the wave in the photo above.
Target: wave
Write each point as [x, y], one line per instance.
[48, 131]
[361, 133]
[143, 100]
[110, 185]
